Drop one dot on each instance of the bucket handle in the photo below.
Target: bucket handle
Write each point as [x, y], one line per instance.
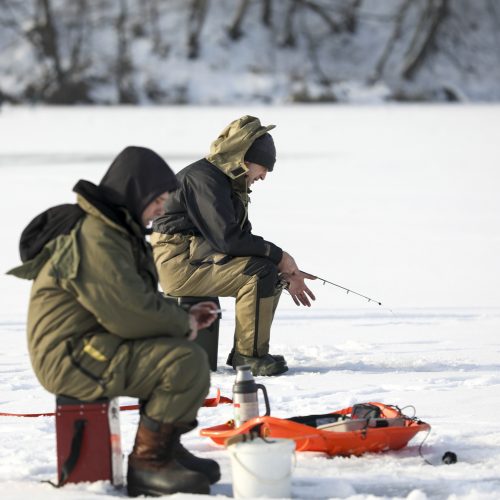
[266, 399]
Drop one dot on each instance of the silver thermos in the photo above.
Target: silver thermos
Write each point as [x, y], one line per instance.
[245, 401]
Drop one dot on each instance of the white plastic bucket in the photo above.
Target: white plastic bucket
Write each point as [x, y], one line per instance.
[262, 468]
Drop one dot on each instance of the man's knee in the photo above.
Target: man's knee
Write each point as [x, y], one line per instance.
[266, 273]
[192, 369]
[181, 387]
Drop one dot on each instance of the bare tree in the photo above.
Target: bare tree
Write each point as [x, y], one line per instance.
[154, 18]
[391, 42]
[322, 12]
[61, 61]
[78, 34]
[289, 39]
[267, 13]
[346, 17]
[351, 16]
[44, 37]
[429, 22]
[234, 31]
[494, 11]
[197, 18]
[125, 87]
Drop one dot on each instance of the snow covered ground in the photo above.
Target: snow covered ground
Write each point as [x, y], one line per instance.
[399, 203]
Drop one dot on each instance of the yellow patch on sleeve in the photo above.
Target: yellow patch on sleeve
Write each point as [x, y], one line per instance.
[93, 352]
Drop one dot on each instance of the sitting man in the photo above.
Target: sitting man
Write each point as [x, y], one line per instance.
[99, 327]
[203, 244]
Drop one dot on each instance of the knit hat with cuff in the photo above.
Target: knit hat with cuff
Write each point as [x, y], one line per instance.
[262, 151]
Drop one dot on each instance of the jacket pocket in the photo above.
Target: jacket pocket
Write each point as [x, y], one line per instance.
[93, 354]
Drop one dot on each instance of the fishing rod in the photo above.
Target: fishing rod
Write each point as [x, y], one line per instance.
[348, 290]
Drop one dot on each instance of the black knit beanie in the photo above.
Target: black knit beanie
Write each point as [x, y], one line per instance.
[262, 152]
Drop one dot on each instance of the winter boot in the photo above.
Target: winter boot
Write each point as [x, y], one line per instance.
[266, 365]
[206, 466]
[279, 357]
[229, 361]
[209, 468]
[152, 469]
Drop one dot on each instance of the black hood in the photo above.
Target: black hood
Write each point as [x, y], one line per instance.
[135, 178]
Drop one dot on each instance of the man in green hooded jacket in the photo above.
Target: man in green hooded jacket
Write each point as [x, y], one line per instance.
[204, 245]
[98, 326]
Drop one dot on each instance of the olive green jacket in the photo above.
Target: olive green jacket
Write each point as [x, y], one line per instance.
[93, 289]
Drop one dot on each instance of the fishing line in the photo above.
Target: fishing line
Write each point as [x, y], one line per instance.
[348, 290]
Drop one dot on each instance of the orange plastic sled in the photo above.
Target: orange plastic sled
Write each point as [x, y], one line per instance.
[307, 438]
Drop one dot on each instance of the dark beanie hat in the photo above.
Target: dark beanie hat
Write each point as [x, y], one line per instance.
[262, 152]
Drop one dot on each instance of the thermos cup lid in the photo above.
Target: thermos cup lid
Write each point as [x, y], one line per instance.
[243, 374]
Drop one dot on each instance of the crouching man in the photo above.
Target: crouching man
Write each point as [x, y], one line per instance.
[98, 327]
[204, 244]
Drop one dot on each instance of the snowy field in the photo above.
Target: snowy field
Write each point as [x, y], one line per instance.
[400, 203]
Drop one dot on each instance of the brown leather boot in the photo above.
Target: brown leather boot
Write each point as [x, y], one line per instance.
[152, 470]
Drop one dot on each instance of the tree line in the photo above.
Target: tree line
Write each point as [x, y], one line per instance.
[64, 50]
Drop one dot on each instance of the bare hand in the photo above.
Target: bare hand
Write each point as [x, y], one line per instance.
[287, 265]
[298, 289]
[201, 316]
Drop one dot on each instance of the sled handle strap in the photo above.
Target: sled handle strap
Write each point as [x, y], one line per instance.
[74, 454]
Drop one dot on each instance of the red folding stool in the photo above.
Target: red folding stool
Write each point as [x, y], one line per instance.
[88, 441]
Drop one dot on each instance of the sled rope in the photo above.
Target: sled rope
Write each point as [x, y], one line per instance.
[208, 403]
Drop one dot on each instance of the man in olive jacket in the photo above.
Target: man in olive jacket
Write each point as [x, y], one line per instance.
[204, 245]
[98, 326]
